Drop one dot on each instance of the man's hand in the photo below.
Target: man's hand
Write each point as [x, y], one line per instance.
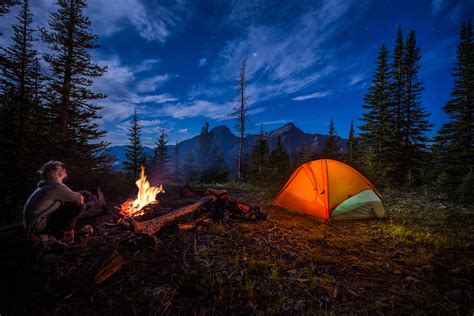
[81, 199]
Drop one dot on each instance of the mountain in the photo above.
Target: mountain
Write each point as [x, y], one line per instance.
[294, 140]
[119, 153]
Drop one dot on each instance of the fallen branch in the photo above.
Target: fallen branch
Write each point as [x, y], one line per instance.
[152, 226]
[114, 265]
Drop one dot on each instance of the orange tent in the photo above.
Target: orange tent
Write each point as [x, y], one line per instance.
[329, 189]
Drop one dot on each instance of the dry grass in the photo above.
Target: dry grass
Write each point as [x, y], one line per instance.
[419, 261]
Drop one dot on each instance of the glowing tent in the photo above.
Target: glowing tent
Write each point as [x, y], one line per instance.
[329, 189]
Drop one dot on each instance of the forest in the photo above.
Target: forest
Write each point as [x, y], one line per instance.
[418, 258]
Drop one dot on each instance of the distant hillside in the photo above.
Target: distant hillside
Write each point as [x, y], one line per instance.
[294, 140]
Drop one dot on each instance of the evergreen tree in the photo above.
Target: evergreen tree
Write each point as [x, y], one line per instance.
[331, 149]
[377, 130]
[457, 135]
[439, 186]
[259, 160]
[415, 119]
[20, 122]
[209, 160]
[465, 191]
[306, 156]
[5, 6]
[398, 91]
[176, 163]
[189, 167]
[18, 67]
[68, 95]
[279, 163]
[160, 160]
[135, 154]
[353, 154]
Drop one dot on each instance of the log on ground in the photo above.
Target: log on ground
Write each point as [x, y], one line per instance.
[152, 226]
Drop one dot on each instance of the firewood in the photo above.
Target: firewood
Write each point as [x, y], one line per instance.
[192, 224]
[216, 193]
[152, 226]
[115, 264]
[186, 226]
[187, 191]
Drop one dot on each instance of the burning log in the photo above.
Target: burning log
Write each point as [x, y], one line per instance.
[152, 226]
[146, 196]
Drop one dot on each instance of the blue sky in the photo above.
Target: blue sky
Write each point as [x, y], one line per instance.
[307, 61]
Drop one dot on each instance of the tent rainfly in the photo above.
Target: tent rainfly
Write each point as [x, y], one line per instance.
[330, 190]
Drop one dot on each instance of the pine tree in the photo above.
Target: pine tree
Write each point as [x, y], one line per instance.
[415, 119]
[259, 160]
[465, 191]
[352, 155]
[68, 95]
[135, 154]
[17, 81]
[456, 137]
[176, 163]
[331, 149]
[306, 156]
[5, 6]
[160, 159]
[209, 160]
[377, 130]
[19, 109]
[279, 163]
[241, 118]
[189, 167]
[398, 91]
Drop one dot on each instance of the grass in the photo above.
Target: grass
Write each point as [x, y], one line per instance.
[419, 261]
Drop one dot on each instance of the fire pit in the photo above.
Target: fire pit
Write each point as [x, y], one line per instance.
[146, 196]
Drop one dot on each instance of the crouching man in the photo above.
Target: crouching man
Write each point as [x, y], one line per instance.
[53, 208]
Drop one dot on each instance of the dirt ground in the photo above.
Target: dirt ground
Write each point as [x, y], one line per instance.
[418, 261]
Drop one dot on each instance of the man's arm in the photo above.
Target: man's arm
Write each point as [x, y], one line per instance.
[63, 193]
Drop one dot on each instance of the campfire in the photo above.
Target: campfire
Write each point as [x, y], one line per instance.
[146, 195]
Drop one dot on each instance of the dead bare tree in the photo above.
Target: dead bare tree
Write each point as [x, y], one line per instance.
[240, 114]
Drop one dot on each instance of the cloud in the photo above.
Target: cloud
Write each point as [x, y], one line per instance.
[436, 6]
[123, 96]
[146, 65]
[284, 58]
[150, 123]
[155, 99]
[356, 79]
[196, 109]
[274, 122]
[318, 94]
[202, 62]
[183, 131]
[151, 20]
[152, 83]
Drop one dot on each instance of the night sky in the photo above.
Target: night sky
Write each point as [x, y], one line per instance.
[308, 61]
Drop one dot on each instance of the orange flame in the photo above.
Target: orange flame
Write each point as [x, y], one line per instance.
[146, 195]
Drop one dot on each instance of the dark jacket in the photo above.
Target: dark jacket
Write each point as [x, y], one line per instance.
[46, 199]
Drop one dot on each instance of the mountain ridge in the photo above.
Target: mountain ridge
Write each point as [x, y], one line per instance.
[294, 140]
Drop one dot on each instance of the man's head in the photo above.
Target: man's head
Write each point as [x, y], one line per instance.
[53, 170]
